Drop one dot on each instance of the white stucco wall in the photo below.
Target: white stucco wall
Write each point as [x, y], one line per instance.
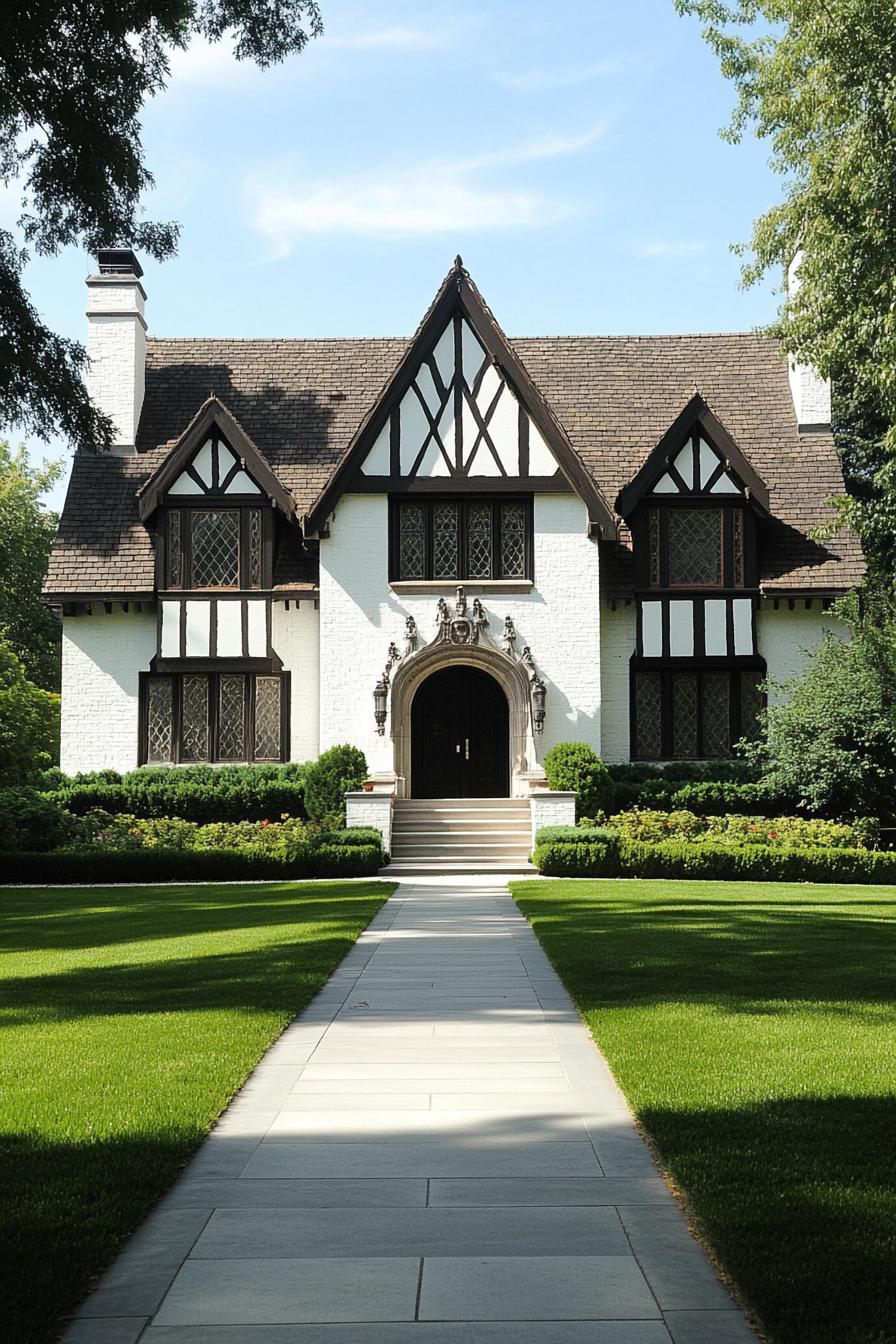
[617, 644]
[102, 656]
[359, 614]
[786, 638]
[295, 636]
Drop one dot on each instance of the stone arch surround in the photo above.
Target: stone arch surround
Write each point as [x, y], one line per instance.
[508, 673]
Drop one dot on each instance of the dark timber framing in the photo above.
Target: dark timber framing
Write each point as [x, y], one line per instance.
[696, 415]
[212, 417]
[458, 296]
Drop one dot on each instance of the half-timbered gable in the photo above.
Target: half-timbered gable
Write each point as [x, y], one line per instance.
[454, 550]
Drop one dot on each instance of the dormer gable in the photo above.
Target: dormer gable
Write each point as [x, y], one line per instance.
[214, 457]
[461, 413]
[695, 458]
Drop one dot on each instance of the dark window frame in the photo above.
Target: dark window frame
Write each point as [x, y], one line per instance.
[211, 503]
[429, 502]
[734, 580]
[213, 678]
[752, 667]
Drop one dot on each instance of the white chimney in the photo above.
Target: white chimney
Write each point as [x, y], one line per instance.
[811, 393]
[116, 343]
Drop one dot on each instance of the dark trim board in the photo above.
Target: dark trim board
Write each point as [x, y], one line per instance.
[460, 485]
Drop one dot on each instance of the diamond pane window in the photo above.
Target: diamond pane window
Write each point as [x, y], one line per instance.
[716, 720]
[160, 720]
[232, 718]
[513, 540]
[695, 547]
[654, 524]
[412, 542]
[479, 541]
[215, 541]
[267, 719]
[175, 551]
[194, 719]
[751, 704]
[684, 714]
[254, 548]
[737, 547]
[648, 716]
[444, 541]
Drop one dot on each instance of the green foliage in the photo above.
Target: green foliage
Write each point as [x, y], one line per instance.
[29, 722]
[815, 78]
[577, 767]
[157, 864]
[831, 742]
[713, 859]
[195, 792]
[81, 168]
[29, 820]
[26, 535]
[778, 832]
[338, 771]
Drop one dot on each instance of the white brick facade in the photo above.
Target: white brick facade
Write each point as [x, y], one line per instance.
[102, 657]
[559, 618]
[116, 352]
[295, 635]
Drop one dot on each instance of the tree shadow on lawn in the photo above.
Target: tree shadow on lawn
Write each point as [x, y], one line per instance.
[750, 955]
[67, 1209]
[38, 919]
[798, 1197]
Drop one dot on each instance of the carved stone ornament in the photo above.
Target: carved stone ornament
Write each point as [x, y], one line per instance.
[463, 626]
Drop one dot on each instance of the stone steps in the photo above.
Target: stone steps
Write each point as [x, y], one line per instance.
[460, 835]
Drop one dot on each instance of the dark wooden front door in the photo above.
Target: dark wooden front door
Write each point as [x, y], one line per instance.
[460, 744]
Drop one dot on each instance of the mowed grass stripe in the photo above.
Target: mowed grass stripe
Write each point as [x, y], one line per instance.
[753, 1030]
[129, 1018]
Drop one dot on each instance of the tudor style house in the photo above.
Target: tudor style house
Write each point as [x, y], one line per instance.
[452, 551]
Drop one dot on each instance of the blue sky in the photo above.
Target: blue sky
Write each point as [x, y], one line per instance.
[570, 152]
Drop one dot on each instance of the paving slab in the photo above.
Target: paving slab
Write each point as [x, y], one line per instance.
[433, 1153]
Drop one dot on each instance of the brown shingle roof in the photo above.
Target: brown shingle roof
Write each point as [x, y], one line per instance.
[301, 401]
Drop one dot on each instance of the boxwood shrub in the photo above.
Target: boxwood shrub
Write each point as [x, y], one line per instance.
[683, 859]
[194, 792]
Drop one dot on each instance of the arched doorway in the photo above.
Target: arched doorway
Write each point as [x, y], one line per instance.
[460, 736]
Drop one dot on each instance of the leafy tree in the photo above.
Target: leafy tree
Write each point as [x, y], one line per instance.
[29, 722]
[815, 78]
[831, 744]
[26, 535]
[73, 81]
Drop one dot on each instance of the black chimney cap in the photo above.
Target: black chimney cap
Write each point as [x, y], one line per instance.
[118, 261]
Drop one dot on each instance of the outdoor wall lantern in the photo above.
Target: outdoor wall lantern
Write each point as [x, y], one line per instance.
[539, 696]
[380, 694]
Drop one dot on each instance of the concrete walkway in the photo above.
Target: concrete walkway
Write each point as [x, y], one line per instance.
[434, 1153]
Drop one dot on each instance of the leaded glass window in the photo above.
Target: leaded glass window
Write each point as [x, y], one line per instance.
[194, 719]
[254, 548]
[412, 542]
[461, 539]
[479, 541]
[513, 540]
[684, 714]
[231, 717]
[160, 720]
[715, 714]
[267, 719]
[175, 551]
[648, 715]
[215, 548]
[751, 704]
[694, 540]
[444, 541]
[654, 523]
[737, 547]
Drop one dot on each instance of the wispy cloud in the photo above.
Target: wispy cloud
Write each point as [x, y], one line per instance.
[668, 247]
[437, 195]
[208, 63]
[400, 37]
[545, 78]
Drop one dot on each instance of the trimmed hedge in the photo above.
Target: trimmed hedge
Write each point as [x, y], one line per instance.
[146, 866]
[336, 772]
[199, 793]
[577, 767]
[678, 859]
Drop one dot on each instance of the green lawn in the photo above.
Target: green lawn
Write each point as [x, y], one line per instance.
[130, 1016]
[752, 1028]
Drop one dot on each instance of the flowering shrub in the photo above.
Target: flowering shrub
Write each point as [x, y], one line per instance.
[652, 827]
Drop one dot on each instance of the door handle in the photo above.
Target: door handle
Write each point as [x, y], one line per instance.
[467, 746]
[457, 747]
